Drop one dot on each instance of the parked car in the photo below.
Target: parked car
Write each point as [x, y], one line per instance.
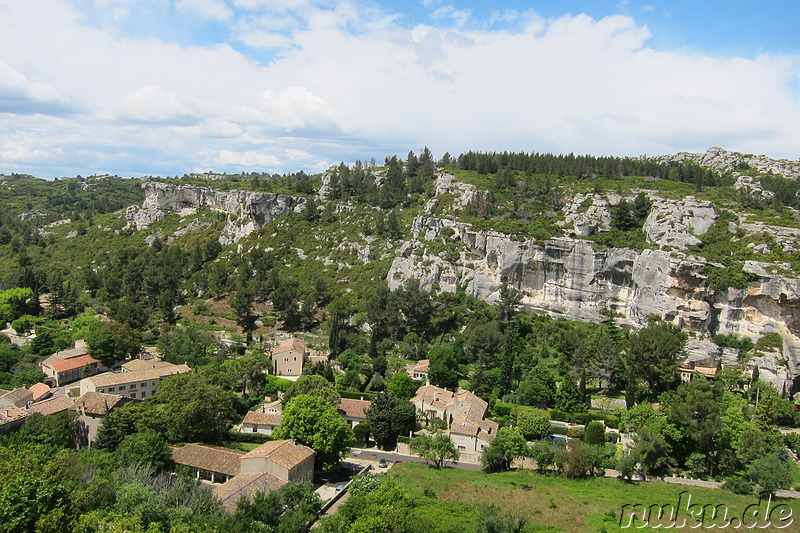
[382, 463]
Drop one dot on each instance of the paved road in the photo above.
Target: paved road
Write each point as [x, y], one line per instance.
[371, 454]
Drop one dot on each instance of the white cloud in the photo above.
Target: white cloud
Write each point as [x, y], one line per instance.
[247, 159]
[296, 107]
[297, 155]
[571, 84]
[209, 9]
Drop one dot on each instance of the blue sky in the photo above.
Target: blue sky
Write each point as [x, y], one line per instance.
[138, 87]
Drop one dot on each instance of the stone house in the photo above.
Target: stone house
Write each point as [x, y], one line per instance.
[353, 411]
[19, 397]
[262, 420]
[69, 365]
[266, 468]
[11, 418]
[136, 384]
[463, 412]
[289, 356]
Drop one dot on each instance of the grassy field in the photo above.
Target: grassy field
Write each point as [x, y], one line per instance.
[451, 497]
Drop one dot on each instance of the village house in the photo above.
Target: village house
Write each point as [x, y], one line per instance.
[289, 356]
[263, 469]
[53, 406]
[11, 418]
[263, 420]
[19, 397]
[462, 412]
[136, 384]
[93, 406]
[39, 391]
[692, 370]
[70, 365]
[420, 370]
[353, 411]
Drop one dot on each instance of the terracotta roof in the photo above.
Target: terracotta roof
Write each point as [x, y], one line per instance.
[142, 364]
[294, 344]
[247, 484]
[73, 362]
[11, 414]
[110, 379]
[38, 390]
[79, 349]
[211, 458]
[52, 406]
[98, 403]
[262, 419]
[17, 395]
[284, 452]
[353, 408]
[422, 366]
[433, 397]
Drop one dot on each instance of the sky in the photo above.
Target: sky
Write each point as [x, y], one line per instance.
[168, 87]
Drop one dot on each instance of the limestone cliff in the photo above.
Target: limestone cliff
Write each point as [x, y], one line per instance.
[247, 211]
[569, 277]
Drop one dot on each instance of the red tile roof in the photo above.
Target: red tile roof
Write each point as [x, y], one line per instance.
[38, 390]
[72, 363]
[353, 408]
[211, 458]
[52, 406]
[11, 414]
[294, 344]
[284, 452]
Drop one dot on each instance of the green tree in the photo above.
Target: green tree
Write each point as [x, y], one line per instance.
[113, 342]
[402, 386]
[538, 388]
[314, 422]
[389, 417]
[697, 411]
[187, 344]
[148, 448]
[653, 356]
[569, 397]
[544, 454]
[507, 445]
[189, 408]
[312, 385]
[772, 471]
[438, 449]
[533, 423]
[595, 433]
[443, 370]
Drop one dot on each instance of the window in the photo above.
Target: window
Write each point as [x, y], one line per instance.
[133, 395]
[111, 389]
[122, 387]
[133, 385]
[255, 429]
[144, 394]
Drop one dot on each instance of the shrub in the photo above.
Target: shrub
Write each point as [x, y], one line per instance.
[575, 432]
[738, 485]
[595, 433]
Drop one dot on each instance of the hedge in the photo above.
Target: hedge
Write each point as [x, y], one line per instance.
[257, 438]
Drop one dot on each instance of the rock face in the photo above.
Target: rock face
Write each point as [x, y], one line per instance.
[247, 211]
[677, 223]
[567, 277]
[723, 161]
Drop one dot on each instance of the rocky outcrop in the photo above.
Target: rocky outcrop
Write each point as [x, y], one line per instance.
[463, 193]
[587, 214]
[247, 211]
[722, 160]
[677, 223]
[570, 278]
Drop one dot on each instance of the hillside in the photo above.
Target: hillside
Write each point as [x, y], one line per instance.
[714, 246]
